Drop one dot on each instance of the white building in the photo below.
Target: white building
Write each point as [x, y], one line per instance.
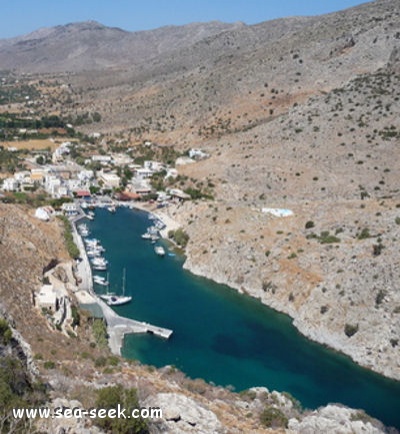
[104, 159]
[69, 208]
[10, 184]
[197, 154]
[143, 173]
[44, 213]
[110, 180]
[154, 166]
[171, 173]
[85, 176]
[20, 176]
[52, 185]
[47, 298]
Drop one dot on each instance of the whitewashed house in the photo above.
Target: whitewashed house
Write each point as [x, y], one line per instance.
[197, 154]
[69, 208]
[47, 298]
[110, 180]
[10, 184]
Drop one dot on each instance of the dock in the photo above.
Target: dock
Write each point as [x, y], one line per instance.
[117, 326]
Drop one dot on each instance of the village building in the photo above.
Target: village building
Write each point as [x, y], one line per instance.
[47, 298]
[10, 184]
[44, 213]
[110, 180]
[153, 166]
[69, 208]
[140, 187]
[144, 173]
[103, 159]
[178, 194]
[197, 154]
[39, 175]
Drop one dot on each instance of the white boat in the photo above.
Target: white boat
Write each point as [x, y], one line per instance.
[99, 263]
[111, 208]
[117, 300]
[100, 280]
[94, 253]
[99, 267]
[160, 251]
[146, 236]
[83, 230]
[108, 295]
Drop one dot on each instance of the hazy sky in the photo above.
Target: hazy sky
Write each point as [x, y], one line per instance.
[23, 16]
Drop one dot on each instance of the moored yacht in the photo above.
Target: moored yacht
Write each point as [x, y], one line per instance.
[117, 300]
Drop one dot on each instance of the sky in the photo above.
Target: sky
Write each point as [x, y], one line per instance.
[19, 17]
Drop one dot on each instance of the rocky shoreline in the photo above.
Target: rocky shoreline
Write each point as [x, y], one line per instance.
[367, 352]
[321, 336]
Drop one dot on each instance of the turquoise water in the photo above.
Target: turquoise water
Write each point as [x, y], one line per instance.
[224, 337]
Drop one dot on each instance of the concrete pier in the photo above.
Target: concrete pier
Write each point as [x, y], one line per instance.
[117, 326]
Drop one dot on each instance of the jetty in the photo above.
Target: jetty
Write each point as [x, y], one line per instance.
[117, 326]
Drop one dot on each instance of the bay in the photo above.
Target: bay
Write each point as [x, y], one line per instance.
[224, 337]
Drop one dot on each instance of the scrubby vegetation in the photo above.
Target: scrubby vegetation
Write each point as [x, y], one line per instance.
[179, 236]
[69, 240]
[110, 398]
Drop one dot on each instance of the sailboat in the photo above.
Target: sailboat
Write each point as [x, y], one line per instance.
[107, 296]
[117, 300]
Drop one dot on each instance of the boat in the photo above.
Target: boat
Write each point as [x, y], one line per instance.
[99, 267]
[90, 215]
[111, 208]
[100, 280]
[160, 251]
[83, 230]
[108, 295]
[146, 236]
[99, 263]
[94, 252]
[118, 300]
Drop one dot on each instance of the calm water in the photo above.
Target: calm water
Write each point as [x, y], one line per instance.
[225, 337]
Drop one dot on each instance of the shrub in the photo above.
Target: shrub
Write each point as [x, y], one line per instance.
[109, 398]
[100, 333]
[326, 238]
[350, 330]
[272, 417]
[377, 249]
[380, 297]
[364, 234]
[309, 225]
[69, 241]
[49, 364]
[179, 236]
[5, 332]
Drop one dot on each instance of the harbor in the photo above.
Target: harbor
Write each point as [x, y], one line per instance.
[117, 326]
[222, 336]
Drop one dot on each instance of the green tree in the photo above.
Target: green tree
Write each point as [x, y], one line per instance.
[112, 396]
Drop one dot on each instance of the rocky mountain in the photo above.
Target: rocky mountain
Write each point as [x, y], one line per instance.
[90, 46]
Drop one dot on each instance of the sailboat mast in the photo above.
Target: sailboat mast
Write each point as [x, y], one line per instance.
[123, 281]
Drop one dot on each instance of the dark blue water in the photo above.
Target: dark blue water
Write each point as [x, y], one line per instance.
[224, 337]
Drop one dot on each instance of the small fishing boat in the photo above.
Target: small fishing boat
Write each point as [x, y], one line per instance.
[160, 251]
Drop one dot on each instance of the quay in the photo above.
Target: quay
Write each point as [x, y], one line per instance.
[117, 326]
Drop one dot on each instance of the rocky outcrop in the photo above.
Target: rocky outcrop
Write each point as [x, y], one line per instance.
[183, 415]
[338, 420]
[394, 60]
